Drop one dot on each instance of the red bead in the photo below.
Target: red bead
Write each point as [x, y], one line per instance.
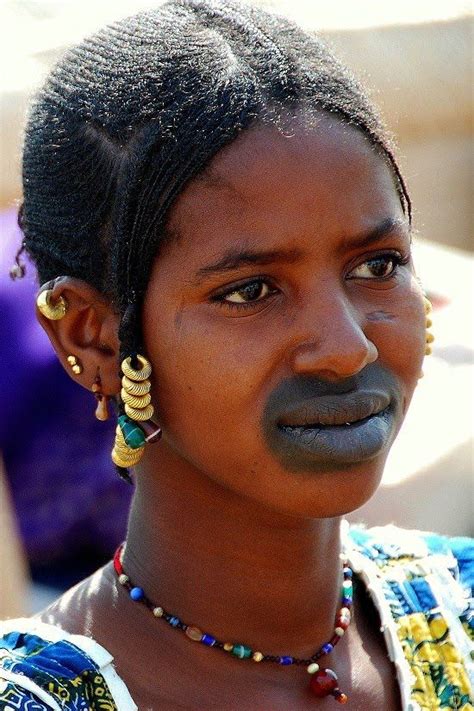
[117, 562]
[334, 640]
[343, 622]
[152, 431]
[323, 683]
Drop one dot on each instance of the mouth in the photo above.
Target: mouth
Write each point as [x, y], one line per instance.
[311, 425]
[342, 427]
[338, 431]
[324, 412]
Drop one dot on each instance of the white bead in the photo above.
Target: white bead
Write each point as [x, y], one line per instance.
[158, 611]
[339, 631]
[312, 668]
[123, 579]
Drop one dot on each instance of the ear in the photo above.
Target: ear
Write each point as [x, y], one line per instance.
[88, 331]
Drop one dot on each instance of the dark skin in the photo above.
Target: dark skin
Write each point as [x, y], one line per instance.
[222, 532]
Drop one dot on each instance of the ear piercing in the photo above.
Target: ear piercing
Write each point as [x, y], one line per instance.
[75, 365]
[53, 312]
[102, 410]
[135, 427]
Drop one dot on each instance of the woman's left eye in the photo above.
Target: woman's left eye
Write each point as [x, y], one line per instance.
[245, 295]
[379, 267]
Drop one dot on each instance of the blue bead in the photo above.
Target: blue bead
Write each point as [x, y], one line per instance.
[286, 660]
[346, 601]
[327, 648]
[347, 573]
[174, 621]
[137, 594]
[207, 639]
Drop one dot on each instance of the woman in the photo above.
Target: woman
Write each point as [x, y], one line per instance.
[215, 212]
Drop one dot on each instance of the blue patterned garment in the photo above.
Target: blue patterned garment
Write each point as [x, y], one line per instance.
[49, 669]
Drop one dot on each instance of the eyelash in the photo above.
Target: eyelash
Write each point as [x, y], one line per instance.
[220, 299]
[395, 257]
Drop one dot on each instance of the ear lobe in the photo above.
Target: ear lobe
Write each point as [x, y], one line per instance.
[88, 330]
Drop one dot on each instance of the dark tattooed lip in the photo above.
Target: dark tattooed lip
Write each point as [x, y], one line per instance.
[343, 444]
[304, 419]
[312, 426]
[336, 410]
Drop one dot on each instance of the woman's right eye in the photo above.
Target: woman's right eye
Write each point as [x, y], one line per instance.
[245, 295]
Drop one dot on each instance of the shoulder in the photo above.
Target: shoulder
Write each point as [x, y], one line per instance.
[382, 544]
[44, 667]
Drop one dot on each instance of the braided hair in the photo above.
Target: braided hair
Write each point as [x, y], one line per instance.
[133, 113]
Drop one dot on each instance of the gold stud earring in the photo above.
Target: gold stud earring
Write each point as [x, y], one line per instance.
[53, 312]
[76, 367]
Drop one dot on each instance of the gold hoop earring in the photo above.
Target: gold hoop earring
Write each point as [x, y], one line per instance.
[75, 365]
[53, 312]
[134, 428]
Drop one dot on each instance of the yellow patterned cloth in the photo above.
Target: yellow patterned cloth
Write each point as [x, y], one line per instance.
[422, 586]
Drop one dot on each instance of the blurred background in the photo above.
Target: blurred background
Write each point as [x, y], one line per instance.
[63, 510]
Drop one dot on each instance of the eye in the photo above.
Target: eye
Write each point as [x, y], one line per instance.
[252, 292]
[381, 266]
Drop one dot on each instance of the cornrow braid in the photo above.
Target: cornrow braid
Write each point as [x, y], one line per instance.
[133, 113]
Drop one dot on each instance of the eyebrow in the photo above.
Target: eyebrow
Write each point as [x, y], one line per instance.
[235, 258]
[385, 228]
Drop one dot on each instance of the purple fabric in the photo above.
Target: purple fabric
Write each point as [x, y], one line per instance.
[66, 493]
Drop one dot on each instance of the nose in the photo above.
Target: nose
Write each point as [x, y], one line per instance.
[335, 346]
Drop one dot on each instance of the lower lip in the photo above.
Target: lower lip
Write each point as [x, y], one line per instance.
[336, 444]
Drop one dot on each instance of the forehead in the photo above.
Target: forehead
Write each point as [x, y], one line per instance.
[324, 179]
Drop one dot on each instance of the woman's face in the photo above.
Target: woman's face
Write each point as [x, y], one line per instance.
[284, 321]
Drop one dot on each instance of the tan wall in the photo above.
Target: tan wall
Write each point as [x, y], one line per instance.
[421, 77]
[12, 112]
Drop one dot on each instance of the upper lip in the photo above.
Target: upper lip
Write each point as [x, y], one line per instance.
[334, 410]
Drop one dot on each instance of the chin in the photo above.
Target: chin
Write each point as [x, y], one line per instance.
[323, 494]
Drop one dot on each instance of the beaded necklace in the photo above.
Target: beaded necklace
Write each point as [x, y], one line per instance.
[323, 680]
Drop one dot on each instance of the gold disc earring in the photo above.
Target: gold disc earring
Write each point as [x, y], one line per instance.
[134, 428]
[53, 312]
[428, 323]
[76, 367]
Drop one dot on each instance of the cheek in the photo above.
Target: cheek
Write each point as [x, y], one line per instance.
[399, 334]
[205, 379]
[209, 397]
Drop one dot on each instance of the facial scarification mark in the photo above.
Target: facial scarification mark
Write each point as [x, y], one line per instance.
[379, 316]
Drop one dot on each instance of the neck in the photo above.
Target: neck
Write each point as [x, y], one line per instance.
[229, 566]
